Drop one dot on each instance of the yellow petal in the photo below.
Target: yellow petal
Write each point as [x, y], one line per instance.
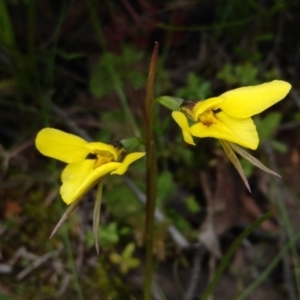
[206, 105]
[78, 178]
[239, 131]
[102, 147]
[247, 101]
[182, 121]
[129, 159]
[60, 145]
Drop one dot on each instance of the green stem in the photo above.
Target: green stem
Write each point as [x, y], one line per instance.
[151, 174]
[232, 249]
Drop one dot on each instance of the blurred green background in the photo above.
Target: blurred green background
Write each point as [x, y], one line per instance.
[81, 66]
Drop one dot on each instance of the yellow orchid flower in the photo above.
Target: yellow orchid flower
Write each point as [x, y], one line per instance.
[87, 162]
[228, 117]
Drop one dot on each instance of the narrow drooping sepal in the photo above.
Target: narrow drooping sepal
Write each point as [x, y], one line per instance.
[64, 217]
[252, 159]
[235, 161]
[96, 215]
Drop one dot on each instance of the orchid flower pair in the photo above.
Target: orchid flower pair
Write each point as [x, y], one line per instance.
[226, 117]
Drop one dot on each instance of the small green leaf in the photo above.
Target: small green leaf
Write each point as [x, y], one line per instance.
[165, 185]
[128, 251]
[192, 205]
[109, 235]
[245, 74]
[278, 146]
[169, 102]
[196, 88]
[268, 124]
[131, 143]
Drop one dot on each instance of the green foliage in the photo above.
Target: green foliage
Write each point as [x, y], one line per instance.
[183, 154]
[114, 126]
[248, 73]
[6, 297]
[196, 88]
[109, 236]
[120, 200]
[296, 116]
[7, 33]
[247, 166]
[271, 74]
[266, 127]
[180, 222]
[102, 81]
[110, 285]
[131, 144]
[126, 261]
[245, 74]
[165, 185]
[192, 205]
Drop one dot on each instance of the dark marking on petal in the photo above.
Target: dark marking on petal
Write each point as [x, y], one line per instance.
[91, 156]
[117, 145]
[217, 110]
[189, 104]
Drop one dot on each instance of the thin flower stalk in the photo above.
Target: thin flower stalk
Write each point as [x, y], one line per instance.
[151, 173]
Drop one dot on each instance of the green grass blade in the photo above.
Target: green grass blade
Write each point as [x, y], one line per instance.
[225, 261]
[7, 35]
[269, 269]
